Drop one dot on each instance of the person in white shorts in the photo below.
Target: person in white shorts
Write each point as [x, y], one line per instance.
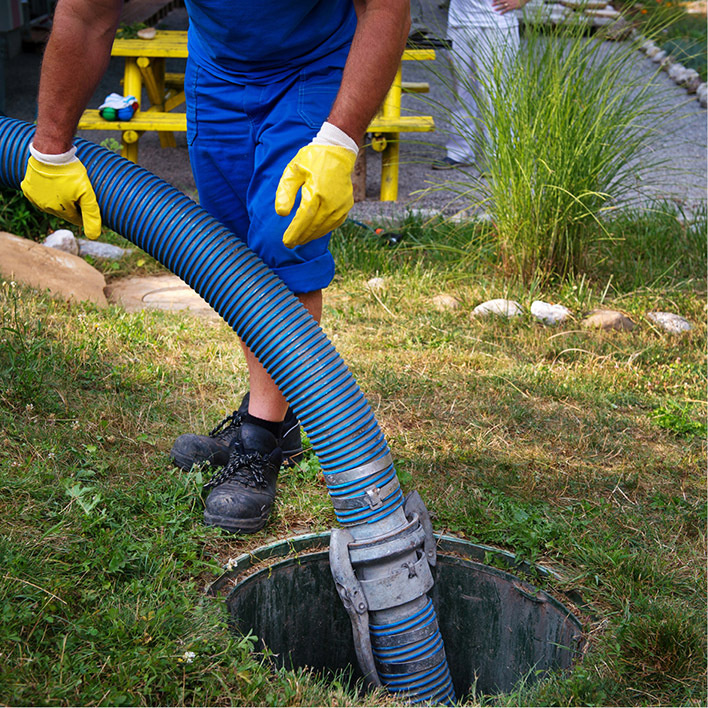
[482, 32]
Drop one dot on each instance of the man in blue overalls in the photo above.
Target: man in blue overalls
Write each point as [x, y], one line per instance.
[279, 96]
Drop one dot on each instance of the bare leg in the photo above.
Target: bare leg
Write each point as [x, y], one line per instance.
[266, 401]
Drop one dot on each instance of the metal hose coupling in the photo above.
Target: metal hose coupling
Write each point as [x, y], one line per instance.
[382, 579]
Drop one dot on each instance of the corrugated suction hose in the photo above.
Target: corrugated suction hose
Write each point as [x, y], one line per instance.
[379, 561]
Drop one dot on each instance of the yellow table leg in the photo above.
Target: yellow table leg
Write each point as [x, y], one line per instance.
[390, 157]
[130, 145]
[152, 72]
[132, 86]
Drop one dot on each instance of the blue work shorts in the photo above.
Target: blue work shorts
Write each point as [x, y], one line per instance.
[241, 136]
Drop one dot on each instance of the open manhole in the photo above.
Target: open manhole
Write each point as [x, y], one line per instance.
[498, 629]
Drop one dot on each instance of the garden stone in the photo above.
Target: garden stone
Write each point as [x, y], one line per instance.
[548, 313]
[375, 284]
[647, 46]
[692, 81]
[608, 319]
[103, 251]
[500, 306]
[702, 94]
[63, 274]
[678, 73]
[675, 324]
[659, 56]
[62, 240]
[652, 50]
[444, 302]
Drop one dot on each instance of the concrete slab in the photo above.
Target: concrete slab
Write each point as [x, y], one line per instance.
[158, 292]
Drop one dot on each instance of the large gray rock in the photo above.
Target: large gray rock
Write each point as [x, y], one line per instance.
[62, 274]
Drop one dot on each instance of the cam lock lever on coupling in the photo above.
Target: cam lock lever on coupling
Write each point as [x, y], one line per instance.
[351, 590]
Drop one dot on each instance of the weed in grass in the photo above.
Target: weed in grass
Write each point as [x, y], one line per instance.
[677, 418]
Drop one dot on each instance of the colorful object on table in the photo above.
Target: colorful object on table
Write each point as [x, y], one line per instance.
[117, 107]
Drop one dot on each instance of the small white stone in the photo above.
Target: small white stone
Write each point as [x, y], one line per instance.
[548, 313]
[443, 302]
[62, 240]
[659, 56]
[647, 46]
[677, 73]
[147, 33]
[652, 50]
[702, 94]
[500, 306]
[691, 81]
[670, 322]
[375, 284]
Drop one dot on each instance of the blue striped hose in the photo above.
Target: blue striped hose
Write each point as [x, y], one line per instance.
[339, 423]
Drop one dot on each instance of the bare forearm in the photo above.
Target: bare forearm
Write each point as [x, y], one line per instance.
[375, 54]
[76, 57]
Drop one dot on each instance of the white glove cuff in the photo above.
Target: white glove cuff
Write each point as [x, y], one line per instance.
[331, 135]
[63, 158]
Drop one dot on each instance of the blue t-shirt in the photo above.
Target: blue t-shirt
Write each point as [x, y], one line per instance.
[256, 40]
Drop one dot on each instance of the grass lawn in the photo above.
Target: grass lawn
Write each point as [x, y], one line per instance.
[583, 450]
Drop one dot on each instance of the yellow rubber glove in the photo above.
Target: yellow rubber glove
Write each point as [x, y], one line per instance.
[324, 173]
[65, 191]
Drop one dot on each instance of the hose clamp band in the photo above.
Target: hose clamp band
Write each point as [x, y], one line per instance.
[334, 479]
[396, 543]
[413, 635]
[409, 582]
[372, 498]
[412, 667]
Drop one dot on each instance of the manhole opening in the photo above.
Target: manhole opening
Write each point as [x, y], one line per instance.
[498, 629]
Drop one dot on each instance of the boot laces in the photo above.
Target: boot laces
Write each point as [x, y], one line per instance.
[247, 468]
[224, 427]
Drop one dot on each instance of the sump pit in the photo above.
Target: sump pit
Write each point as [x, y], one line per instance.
[497, 628]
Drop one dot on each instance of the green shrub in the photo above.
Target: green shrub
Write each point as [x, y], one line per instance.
[563, 142]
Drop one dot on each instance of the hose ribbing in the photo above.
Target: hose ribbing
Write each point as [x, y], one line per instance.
[290, 345]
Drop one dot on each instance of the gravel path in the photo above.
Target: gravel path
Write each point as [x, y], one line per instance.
[681, 141]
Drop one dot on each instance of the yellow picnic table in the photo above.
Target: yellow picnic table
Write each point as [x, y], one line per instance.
[145, 67]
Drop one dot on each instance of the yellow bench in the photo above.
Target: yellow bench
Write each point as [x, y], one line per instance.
[145, 67]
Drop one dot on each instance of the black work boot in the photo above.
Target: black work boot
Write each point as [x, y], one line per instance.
[192, 449]
[242, 493]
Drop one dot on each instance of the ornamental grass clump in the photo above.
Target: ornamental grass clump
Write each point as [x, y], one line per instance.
[565, 139]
